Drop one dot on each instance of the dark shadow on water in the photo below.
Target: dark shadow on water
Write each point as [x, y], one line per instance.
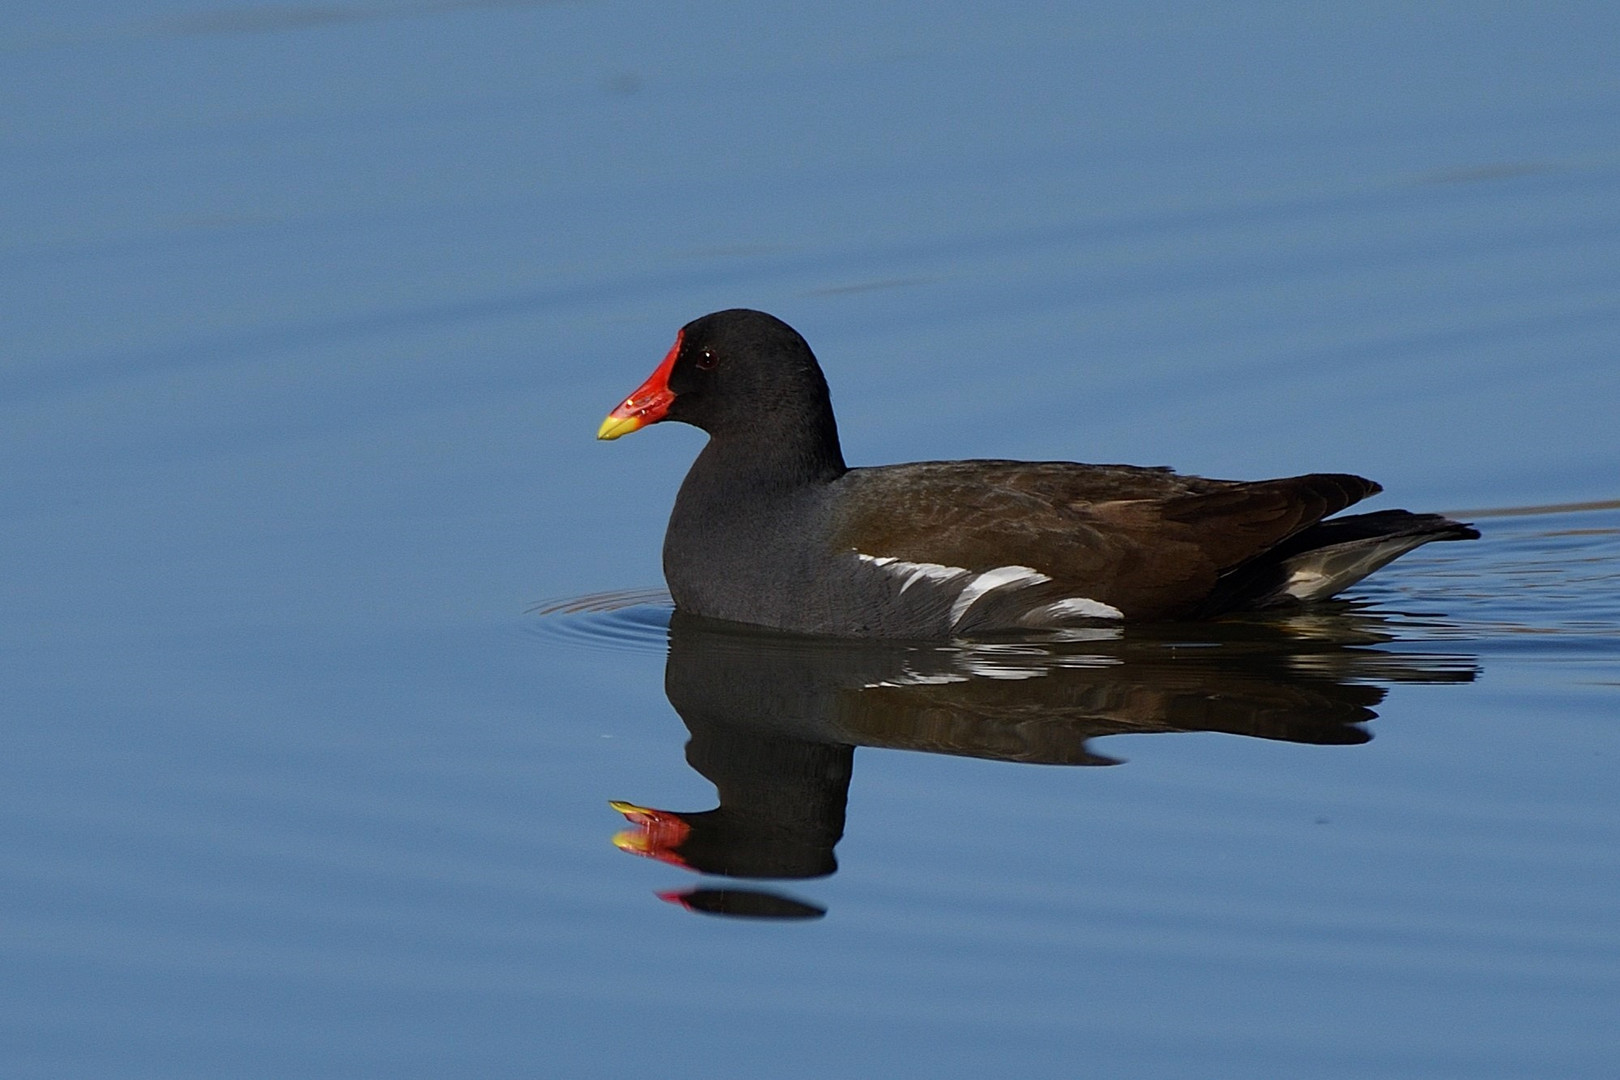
[775, 720]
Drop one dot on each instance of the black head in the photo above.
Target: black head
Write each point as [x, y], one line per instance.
[743, 376]
[741, 369]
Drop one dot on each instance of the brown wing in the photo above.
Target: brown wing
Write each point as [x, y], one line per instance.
[1147, 541]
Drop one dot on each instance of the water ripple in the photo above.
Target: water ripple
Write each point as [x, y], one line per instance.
[623, 620]
[1540, 578]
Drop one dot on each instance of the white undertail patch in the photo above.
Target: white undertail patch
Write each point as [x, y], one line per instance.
[1316, 575]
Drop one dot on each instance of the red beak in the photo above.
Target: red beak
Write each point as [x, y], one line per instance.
[658, 833]
[647, 405]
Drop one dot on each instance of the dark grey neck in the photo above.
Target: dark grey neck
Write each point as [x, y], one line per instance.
[764, 461]
[748, 507]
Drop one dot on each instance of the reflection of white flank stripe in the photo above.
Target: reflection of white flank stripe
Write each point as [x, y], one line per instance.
[912, 678]
[1076, 607]
[1001, 577]
[1000, 669]
[914, 572]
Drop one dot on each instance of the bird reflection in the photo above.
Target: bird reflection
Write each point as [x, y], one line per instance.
[775, 719]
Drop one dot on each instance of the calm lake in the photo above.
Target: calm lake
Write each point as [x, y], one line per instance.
[348, 732]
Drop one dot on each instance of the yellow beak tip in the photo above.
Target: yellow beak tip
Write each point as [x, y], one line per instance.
[631, 841]
[614, 426]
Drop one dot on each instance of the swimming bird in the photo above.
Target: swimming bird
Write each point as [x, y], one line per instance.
[772, 528]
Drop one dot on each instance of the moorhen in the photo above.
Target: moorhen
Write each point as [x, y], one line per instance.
[771, 528]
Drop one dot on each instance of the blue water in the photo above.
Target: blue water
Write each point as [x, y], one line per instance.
[308, 314]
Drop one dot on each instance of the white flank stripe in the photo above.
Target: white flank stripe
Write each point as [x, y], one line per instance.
[913, 571]
[980, 585]
[1076, 607]
[1001, 577]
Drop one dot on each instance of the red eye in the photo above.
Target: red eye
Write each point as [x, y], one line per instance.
[706, 360]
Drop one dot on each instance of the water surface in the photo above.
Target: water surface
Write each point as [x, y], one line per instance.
[310, 314]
